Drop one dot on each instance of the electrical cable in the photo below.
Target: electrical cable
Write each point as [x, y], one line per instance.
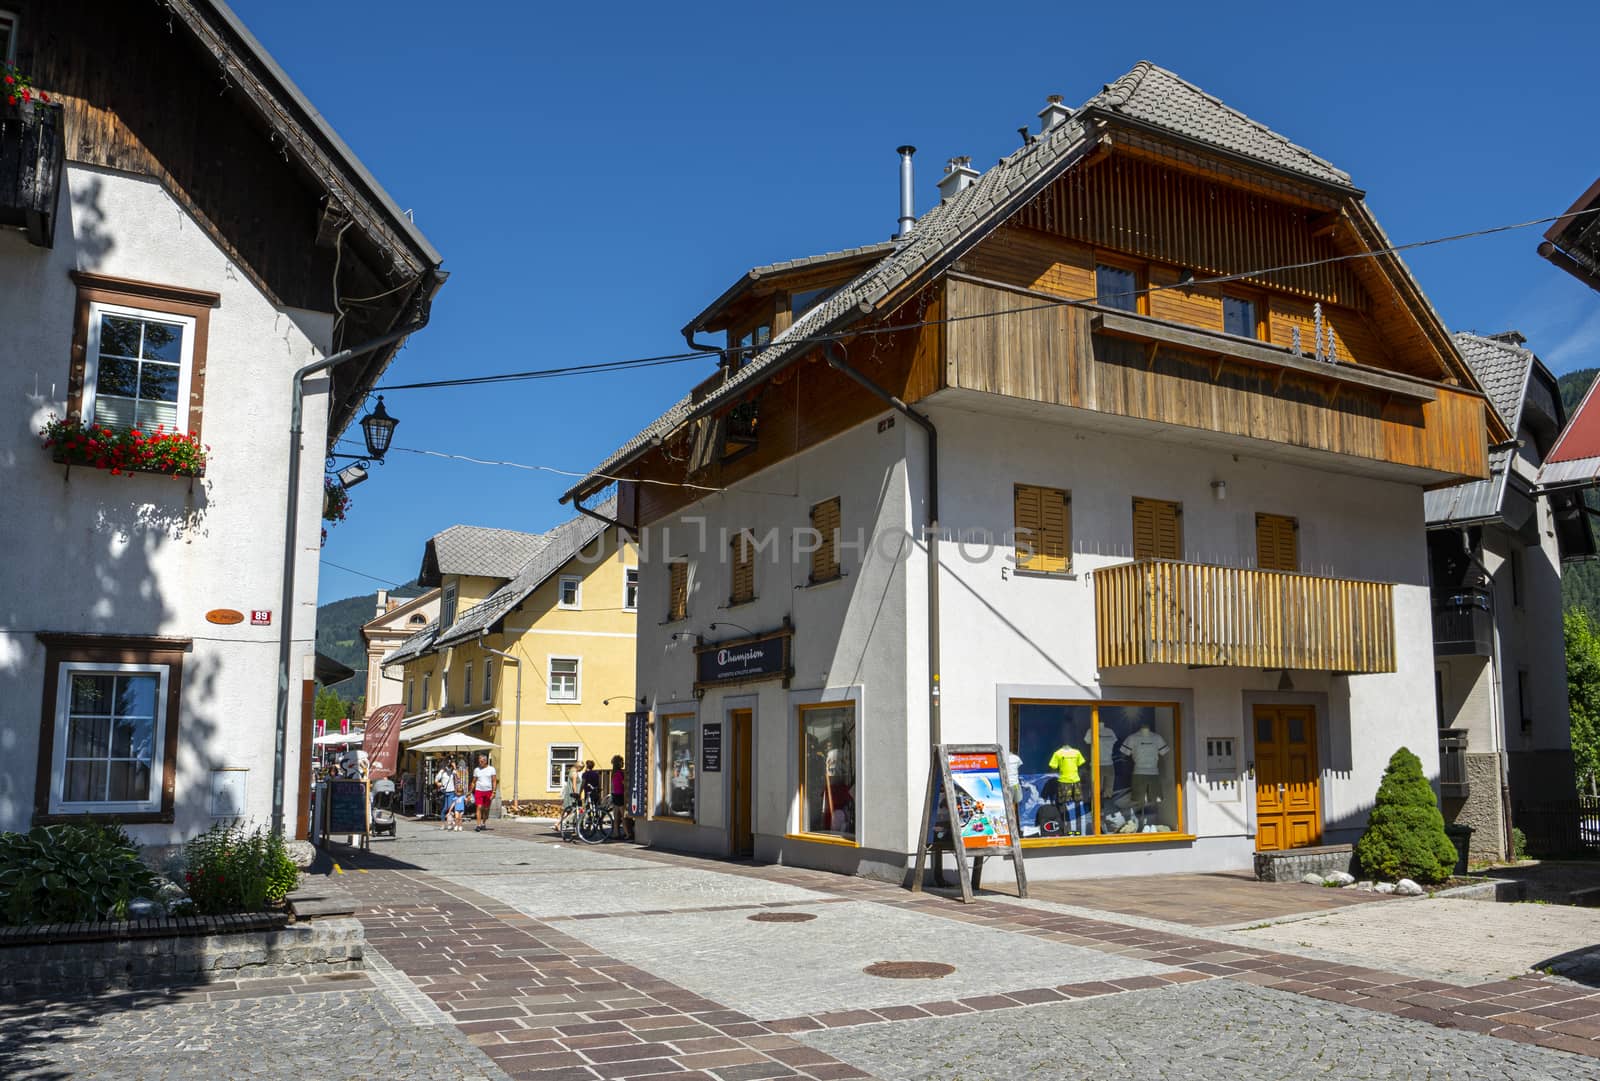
[821, 339]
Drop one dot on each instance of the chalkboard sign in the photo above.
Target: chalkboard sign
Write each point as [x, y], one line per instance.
[711, 748]
[347, 806]
[637, 748]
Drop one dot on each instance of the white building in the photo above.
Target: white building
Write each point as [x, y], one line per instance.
[395, 620]
[191, 235]
[1162, 410]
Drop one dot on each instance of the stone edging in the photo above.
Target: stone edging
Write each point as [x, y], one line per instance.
[111, 930]
[1493, 889]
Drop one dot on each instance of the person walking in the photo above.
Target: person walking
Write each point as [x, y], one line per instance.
[444, 783]
[484, 782]
[458, 809]
[619, 799]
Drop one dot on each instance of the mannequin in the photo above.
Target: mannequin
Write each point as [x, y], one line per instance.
[1108, 761]
[1146, 748]
[1068, 761]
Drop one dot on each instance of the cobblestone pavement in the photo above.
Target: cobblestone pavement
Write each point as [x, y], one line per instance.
[1487, 941]
[1217, 1029]
[267, 1038]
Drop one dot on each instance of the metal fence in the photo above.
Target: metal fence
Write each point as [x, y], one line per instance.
[1561, 828]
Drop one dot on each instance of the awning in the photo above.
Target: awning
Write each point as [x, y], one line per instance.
[440, 726]
[335, 739]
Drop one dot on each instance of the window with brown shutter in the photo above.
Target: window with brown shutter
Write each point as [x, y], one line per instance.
[677, 589]
[825, 560]
[1276, 548]
[1043, 527]
[1157, 529]
[742, 577]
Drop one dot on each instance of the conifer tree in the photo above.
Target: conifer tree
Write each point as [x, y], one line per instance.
[1405, 835]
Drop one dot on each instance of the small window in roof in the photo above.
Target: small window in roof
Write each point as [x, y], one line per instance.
[800, 303]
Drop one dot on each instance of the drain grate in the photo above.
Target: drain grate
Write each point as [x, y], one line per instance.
[909, 970]
[781, 917]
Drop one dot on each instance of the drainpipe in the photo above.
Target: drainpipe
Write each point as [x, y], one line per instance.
[291, 541]
[835, 358]
[516, 737]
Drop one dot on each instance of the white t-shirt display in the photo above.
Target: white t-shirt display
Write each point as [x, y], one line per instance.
[1108, 742]
[483, 778]
[1146, 749]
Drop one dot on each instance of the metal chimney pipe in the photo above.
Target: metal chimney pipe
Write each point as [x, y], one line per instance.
[908, 217]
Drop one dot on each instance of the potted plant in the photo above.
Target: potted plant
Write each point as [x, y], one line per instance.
[124, 451]
[16, 90]
[335, 500]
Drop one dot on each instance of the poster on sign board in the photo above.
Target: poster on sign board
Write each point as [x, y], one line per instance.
[968, 779]
[980, 800]
[637, 761]
[381, 741]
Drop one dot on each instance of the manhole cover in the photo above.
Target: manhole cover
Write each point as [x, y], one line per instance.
[909, 970]
[781, 917]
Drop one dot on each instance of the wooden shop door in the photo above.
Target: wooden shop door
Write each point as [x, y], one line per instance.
[1288, 784]
[741, 831]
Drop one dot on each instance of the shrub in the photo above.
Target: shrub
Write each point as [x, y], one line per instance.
[1519, 844]
[1405, 835]
[69, 874]
[231, 870]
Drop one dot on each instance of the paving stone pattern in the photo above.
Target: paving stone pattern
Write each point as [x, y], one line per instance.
[1216, 1029]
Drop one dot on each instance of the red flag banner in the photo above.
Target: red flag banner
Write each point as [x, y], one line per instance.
[382, 741]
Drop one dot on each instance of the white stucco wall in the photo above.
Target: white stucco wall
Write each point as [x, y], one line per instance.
[148, 555]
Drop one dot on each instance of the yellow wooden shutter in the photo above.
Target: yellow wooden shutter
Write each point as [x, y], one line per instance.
[1157, 530]
[825, 560]
[1044, 540]
[678, 589]
[742, 580]
[1277, 548]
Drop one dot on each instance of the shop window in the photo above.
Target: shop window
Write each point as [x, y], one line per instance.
[563, 685]
[825, 559]
[1117, 287]
[828, 769]
[1095, 770]
[630, 589]
[678, 766]
[1157, 529]
[466, 684]
[109, 737]
[571, 591]
[563, 756]
[677, 590]
[1277, 548]
[1043, 528]
[742, 573]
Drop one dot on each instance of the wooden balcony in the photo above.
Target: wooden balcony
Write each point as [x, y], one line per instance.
[1160, 611]
[32, 149]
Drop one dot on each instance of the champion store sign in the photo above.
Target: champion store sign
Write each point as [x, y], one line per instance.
[762, 656]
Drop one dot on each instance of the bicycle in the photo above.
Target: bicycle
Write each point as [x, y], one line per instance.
[588, 822]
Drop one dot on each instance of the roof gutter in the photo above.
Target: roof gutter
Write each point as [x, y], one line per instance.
[833, 353]
[1562, 260]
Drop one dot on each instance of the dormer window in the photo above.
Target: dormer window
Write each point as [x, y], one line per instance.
[447, 607]
[752, 341]
[800, 303]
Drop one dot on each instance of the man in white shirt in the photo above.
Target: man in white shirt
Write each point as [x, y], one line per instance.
[484, 782]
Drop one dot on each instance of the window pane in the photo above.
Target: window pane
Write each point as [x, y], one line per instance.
[119, 336]
[88, 737]
[1056, 777]
[163, 341]
[118, 377]
[1116, 287]
[133, 737]
[91, 694]
[828, 770]
[1239, 317]
[678, 756]
[86, 782]
[114, 412]
[129, 781]
[159, 383]
[1263, 731]
[153, 415]
[136, 696]
[1143, 794]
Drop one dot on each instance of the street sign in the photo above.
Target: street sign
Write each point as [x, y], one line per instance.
[260, 617]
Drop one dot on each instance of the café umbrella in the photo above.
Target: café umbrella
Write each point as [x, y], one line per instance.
[456, 742]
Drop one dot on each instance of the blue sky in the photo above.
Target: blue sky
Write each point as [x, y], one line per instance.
[594, 174]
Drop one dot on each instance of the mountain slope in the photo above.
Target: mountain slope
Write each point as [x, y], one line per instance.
[339, 633]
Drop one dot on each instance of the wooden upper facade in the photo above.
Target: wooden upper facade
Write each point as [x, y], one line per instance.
[1143, 280]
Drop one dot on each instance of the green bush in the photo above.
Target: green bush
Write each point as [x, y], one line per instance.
[1405, 835]
[229, 870]
[69, 874]
[1519, 845]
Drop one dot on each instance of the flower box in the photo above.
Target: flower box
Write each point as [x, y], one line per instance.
[32, 153]
[124, 451]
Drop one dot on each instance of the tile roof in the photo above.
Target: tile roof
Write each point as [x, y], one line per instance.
[1148, 96]
[750, 277]
[1502, 368]
[477, 550]
[561, 544]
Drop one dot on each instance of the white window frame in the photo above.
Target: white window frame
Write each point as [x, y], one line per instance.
[447, 608]
[576, 582]
[550, 683]
[466, 684]
[630, 585]
[488, 681]
[91, 360]
[10, 54]
[58, 767]
[550, 762]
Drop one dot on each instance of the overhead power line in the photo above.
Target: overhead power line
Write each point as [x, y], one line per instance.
[631, 364]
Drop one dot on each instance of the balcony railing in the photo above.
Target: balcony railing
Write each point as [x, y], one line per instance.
[1161, 611]
[1463, 623]
[32, 149]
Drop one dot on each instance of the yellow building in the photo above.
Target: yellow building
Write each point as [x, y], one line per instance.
[533, 650]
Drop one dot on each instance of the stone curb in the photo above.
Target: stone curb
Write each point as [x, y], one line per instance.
[1495, 889]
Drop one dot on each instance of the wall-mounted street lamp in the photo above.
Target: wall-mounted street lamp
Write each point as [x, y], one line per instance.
[735, 626]
[377, 428]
